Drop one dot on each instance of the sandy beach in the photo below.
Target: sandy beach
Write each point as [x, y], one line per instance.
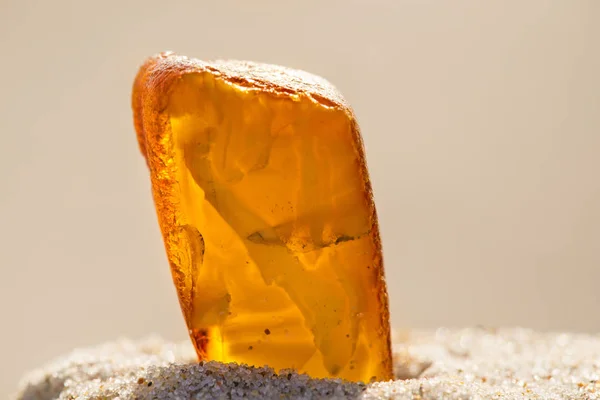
[476, 363]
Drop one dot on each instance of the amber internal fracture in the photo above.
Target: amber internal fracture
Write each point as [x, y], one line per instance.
[263, 198]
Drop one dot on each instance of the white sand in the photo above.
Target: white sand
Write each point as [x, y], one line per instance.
[469, 364]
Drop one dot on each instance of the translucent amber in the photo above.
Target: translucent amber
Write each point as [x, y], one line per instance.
[263, 198]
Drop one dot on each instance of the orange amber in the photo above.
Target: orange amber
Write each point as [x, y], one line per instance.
[263, 198]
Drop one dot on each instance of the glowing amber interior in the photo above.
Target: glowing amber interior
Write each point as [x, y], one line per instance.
[270, 229]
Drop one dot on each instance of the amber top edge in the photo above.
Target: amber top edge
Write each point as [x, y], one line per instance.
[158, 72]
[245, 74]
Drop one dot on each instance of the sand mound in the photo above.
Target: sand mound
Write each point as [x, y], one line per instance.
[468, 364]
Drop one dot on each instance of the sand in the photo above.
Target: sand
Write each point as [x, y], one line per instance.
[472, 363]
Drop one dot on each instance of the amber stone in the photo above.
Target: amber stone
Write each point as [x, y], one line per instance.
[263, 198]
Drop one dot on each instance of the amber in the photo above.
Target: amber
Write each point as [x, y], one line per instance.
[263, 198]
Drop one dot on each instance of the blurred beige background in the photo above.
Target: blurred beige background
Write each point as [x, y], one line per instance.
[482, 127]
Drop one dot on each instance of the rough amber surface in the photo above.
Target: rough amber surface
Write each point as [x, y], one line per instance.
[263, 198]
